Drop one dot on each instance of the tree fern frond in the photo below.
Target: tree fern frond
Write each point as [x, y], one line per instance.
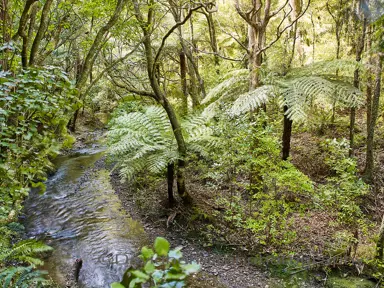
[298, 92]
[235, 81]
[252, 100]
[324, 68]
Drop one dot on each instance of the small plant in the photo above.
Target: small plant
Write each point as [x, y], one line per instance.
[23, 277]
[162, 268]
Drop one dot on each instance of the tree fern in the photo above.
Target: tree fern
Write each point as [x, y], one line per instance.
[233, 82]
[144, 140]
[296, 92]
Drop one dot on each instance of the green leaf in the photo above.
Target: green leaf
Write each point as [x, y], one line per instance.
[161, 246]
[176, 253]
[147, 253]
[149, 268]
[140, 274]
[191, 268]
[117, 285]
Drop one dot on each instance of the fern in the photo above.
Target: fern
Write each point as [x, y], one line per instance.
[233, 82]
[144, 141]
[23, 277]
[253, 99]
[297, 93]
[25, 251]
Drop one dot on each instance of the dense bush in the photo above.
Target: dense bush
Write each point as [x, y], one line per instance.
[34, 109]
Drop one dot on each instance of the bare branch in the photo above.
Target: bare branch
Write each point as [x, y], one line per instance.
[174, 27]
[280, 32]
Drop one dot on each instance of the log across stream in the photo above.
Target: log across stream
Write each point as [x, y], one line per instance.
[81, 217]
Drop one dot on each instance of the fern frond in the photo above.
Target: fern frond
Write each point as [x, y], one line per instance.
[23, 277]
[235, 82]
[327, 68]
[25, 250]
[297, 93]
[252, 100]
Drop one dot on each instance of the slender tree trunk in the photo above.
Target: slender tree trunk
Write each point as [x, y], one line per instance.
[180, 173]
[193, 91]
[213, 39]
[40, 33]
[380, 243]
[369, 164]
[287, 132]
[183, 79]
[170, 180]
[6, 37]
[356, 82]
[161, 99]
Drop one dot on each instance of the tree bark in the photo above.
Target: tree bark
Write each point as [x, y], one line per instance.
[161, 99]
[369, 163]
[40, 33]
[213, 39]
[356, 82]
[170, 180]
[287, 132]
[380, 243]
[183, 79]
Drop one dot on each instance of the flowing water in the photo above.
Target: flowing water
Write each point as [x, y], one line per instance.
[80, 216]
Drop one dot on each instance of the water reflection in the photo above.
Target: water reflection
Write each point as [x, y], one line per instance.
[81, 217]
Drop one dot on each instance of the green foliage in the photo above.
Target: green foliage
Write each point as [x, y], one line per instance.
[163, 268]
[344, 188]
[299, 94]
[143, 140]
[23, 277]
[300, 90]
[34, 109]
[275, 189]
[25, 251]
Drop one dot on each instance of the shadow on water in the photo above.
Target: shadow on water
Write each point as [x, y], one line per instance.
[80, 216]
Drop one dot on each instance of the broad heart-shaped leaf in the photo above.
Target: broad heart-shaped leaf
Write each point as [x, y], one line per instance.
[191, 268]
[117, 285]
[161, 246]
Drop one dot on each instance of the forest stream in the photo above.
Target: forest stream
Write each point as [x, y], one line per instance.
[80, 217]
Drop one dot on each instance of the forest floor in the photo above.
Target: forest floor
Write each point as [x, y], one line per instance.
[221, 268]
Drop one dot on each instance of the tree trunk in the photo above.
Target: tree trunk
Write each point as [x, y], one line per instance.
[4, 18]
[380, 243]
[161, 99]
[287, 132]
[40, 33]
[369, 164]
[356, 82]
[182, 149]
[183, 79]
[213, 39]
[170, 180]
